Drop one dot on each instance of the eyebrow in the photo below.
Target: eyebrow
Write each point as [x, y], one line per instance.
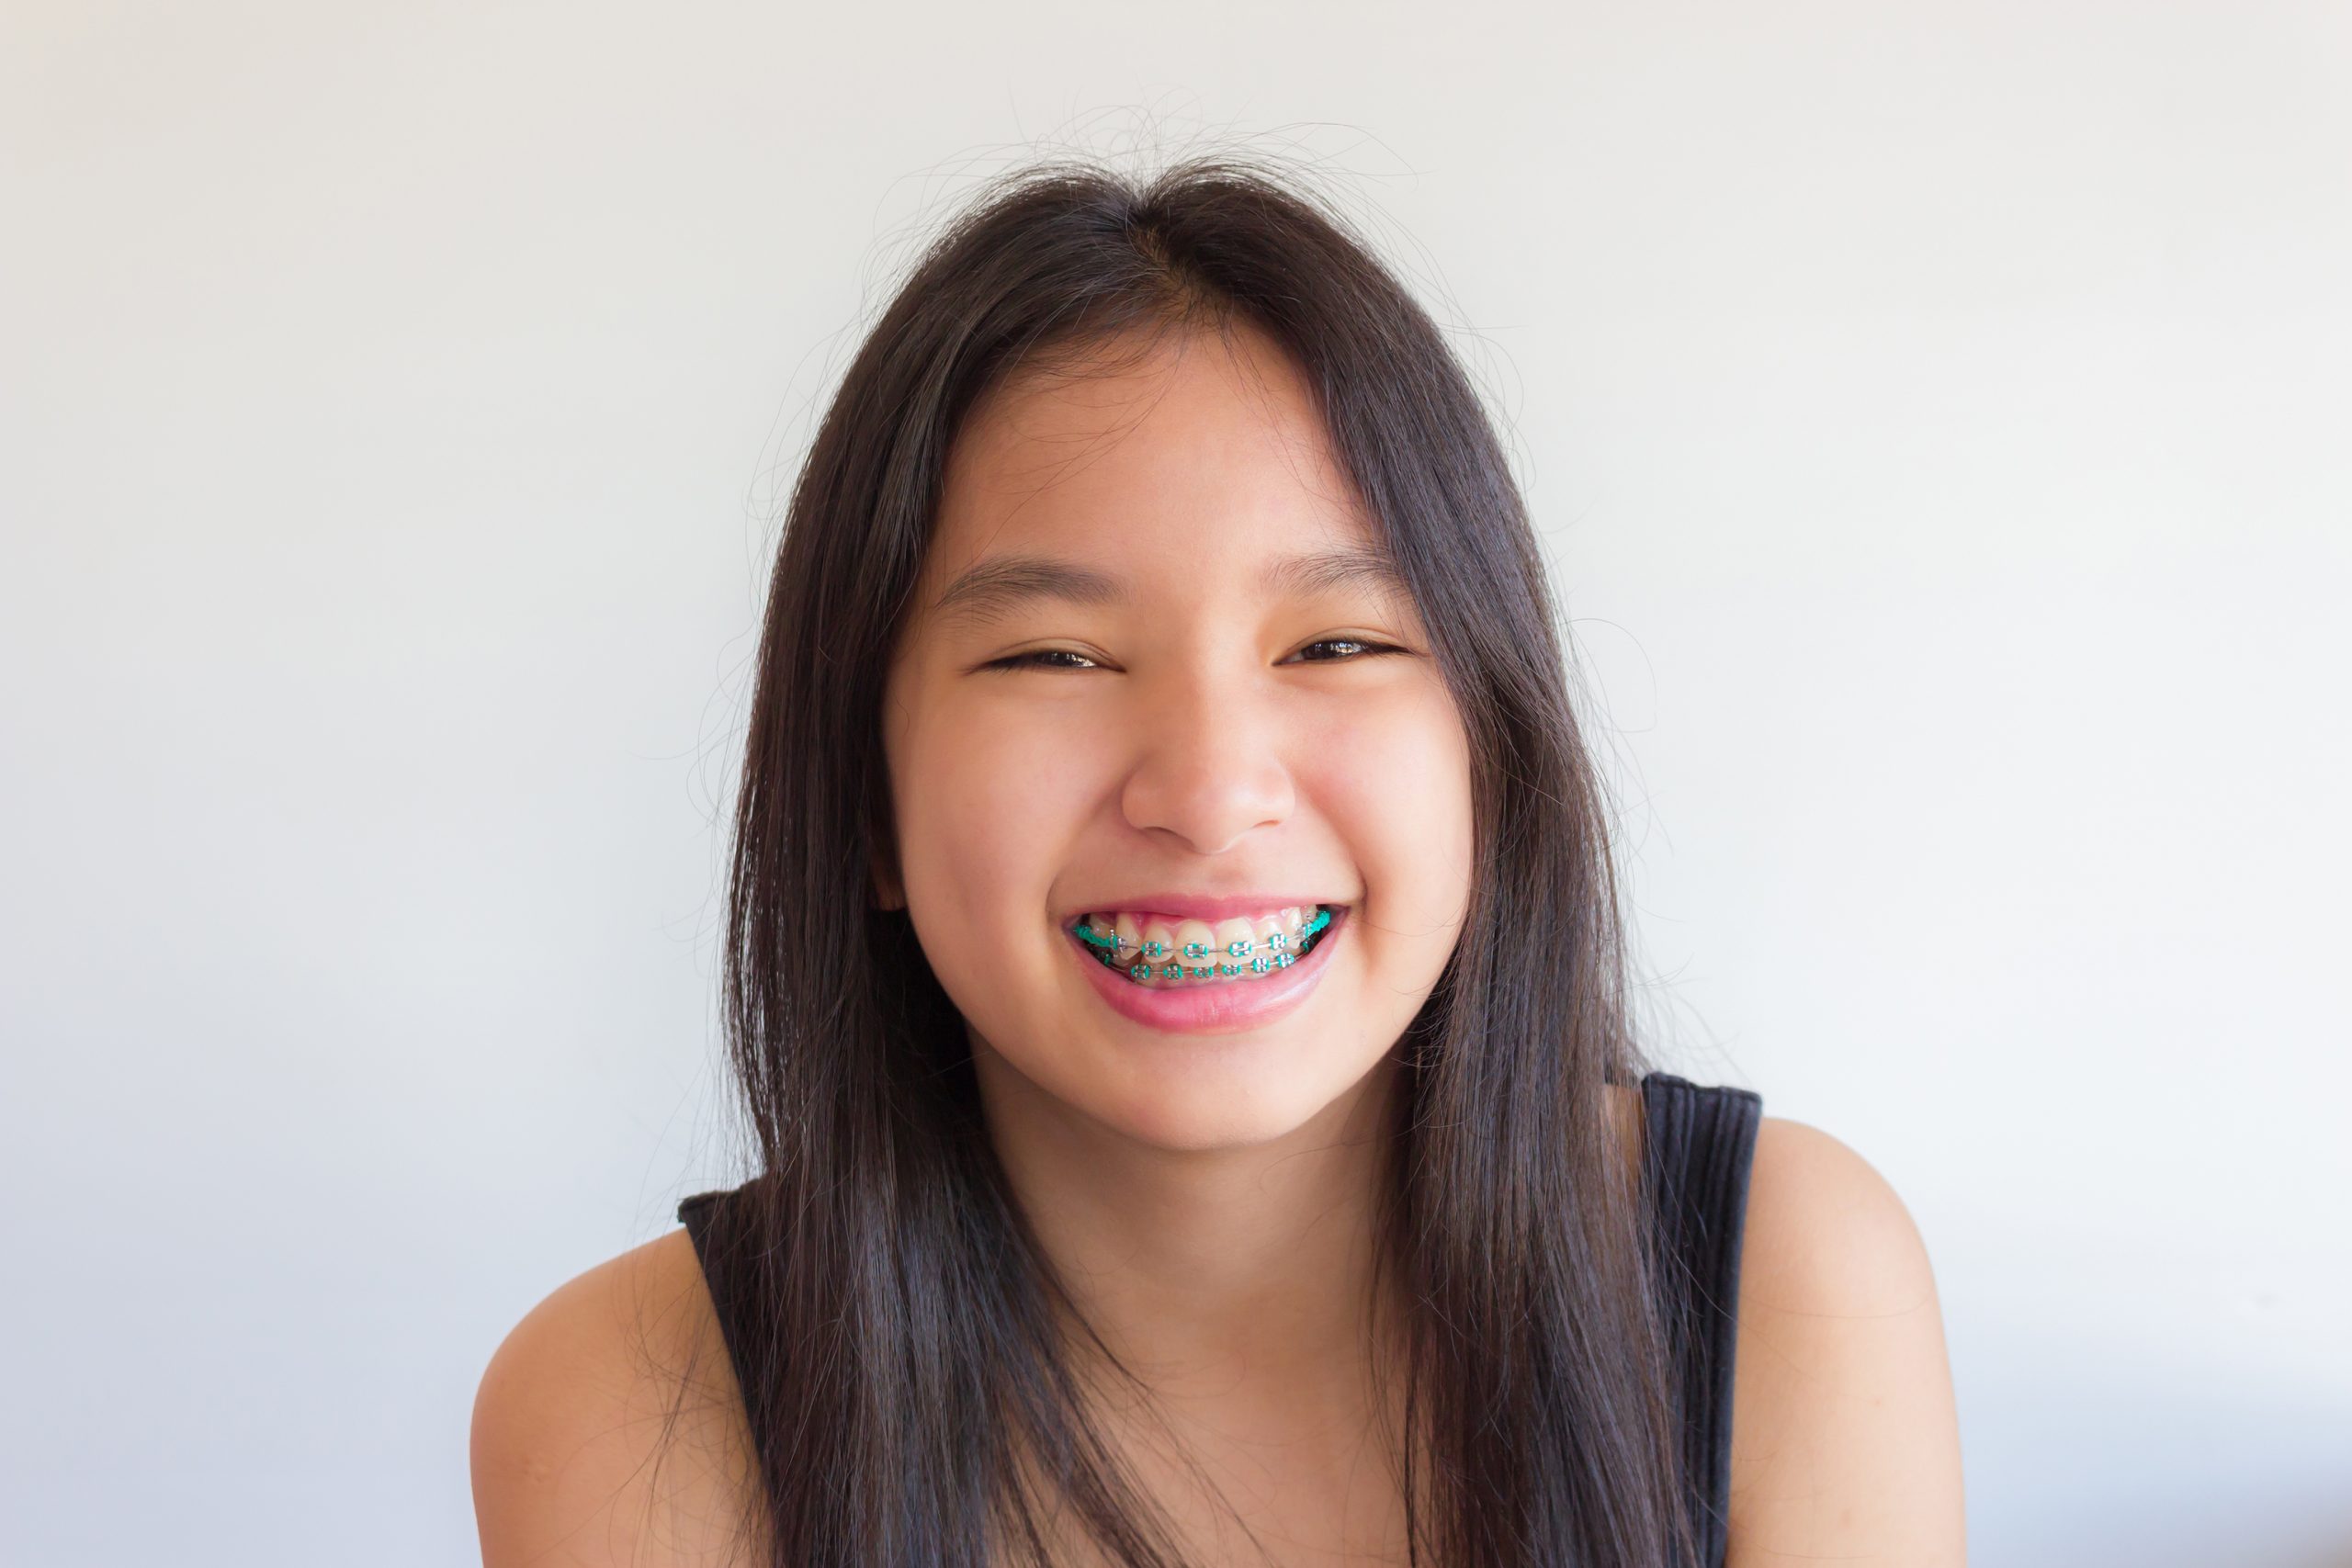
[993, 589]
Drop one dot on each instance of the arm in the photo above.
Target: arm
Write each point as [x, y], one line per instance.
[1845, 1438]
[607, 1429]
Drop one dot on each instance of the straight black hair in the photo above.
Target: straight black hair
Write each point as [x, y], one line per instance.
[911, 1396]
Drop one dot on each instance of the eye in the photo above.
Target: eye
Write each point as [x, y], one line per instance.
[1371, 649]
[1037, 658]
[1034, 659]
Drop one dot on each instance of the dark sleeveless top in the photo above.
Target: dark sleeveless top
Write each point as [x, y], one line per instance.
[1701, 1143]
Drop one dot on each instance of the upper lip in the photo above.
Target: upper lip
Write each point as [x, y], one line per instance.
[1195, 907]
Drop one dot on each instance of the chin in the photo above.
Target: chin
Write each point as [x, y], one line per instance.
[1195, 1100]
[1211, 1111]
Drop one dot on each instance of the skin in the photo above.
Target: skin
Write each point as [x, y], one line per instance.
[1207, 1196]
[1845, 1434]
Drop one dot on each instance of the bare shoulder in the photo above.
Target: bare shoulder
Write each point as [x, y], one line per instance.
[608, 1428]
[1845, 1437]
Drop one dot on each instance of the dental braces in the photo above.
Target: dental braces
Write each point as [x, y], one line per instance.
[1107, 949]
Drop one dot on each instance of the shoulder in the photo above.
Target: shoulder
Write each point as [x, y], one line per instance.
[608, 1427]
[1844, 1440]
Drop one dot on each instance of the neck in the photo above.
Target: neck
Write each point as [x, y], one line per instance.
[1214, 1275]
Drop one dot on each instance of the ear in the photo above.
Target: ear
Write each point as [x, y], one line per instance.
[887, 893]
[882, 854]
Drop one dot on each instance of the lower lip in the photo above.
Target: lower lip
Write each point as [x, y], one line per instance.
[1224, 1008]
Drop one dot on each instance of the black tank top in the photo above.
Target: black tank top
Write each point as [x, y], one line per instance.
[1702, 1141]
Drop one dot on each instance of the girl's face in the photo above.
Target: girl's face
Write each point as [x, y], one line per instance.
[1138, 670]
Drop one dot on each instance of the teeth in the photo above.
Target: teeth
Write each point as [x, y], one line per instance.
[1159, 952]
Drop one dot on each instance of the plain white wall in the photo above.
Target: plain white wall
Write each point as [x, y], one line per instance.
[1936, 413]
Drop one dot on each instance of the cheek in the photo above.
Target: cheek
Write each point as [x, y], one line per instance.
[1398, 788]
[981, 808]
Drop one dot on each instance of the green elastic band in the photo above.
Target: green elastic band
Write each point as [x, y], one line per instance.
[1239, 947]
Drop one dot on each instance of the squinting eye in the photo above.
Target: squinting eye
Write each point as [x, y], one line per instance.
[1031, 660]
[1371, 649]
[1036, 658]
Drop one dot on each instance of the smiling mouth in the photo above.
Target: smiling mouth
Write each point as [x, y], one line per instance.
[1156, 961]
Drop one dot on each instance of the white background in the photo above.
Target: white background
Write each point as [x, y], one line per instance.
[1936, 415]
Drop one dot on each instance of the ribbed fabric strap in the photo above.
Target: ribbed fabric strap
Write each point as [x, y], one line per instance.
[1701, 1144]
[711, 1219]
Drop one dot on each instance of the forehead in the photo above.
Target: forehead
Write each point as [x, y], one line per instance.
[1195, 460]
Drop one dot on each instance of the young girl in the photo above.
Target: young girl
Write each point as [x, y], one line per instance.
[1174, 981]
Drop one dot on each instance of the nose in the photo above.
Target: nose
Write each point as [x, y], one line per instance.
[1212, 760]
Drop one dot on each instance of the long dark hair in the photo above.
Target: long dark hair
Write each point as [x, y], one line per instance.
[906, 1383]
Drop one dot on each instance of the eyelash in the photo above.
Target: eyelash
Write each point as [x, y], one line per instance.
[1029, 661]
